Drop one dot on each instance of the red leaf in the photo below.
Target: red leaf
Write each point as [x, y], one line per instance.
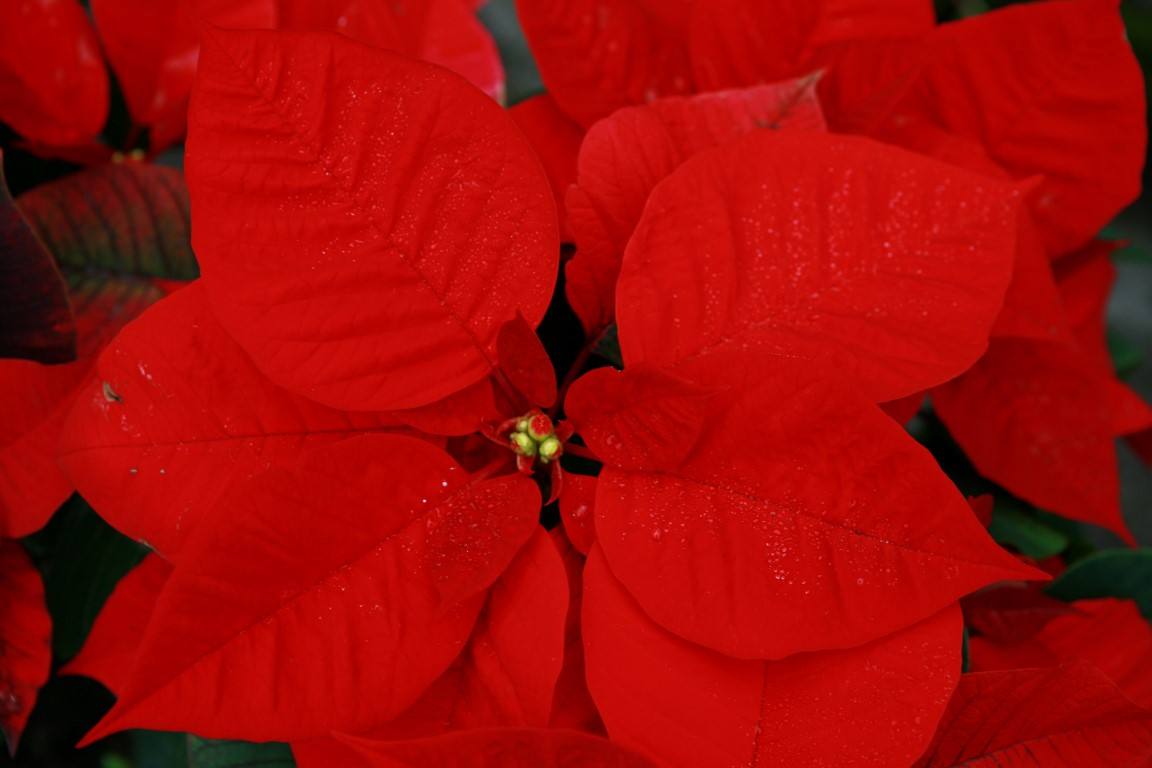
[25, 640]
[525, 362]
[803, 519]
[627, 154]
[1067, 716]
[995, 79]
[507, 674]
[640, 418]
[1109, 634]
[873, 265]
[573, 706]
[177, 415]
[1034, 418]
[35, 316]
[461, 413]
[556, 139]
[683, 705]
[501, 748]
[153, 48]
[1011, 612]
[34, 403]
[115, 230]
[387, 177]
[444, 32]
[286, 618]
[110, 651]
[596, 56]
[577, 501]
[743, 42]
[1032, 307]
[53, 86]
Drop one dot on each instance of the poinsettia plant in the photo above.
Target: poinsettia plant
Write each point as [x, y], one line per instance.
[744, 399]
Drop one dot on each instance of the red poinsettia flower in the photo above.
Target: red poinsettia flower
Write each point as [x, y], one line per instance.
[377, 242]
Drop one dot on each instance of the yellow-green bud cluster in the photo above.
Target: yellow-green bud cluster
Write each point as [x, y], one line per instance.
[535, 435]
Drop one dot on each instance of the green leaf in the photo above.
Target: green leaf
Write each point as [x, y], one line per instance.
[159, 749]
[608, 347]
[1126, 356]
[1125, 573]
[1014, 526]
[205, 753]
[115, 230]
[82, 558]
[35, 317]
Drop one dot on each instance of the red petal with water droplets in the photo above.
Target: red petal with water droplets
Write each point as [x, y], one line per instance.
[1032, 306]
[25, 640]
[53, 85]
[577, 501]
[683, 705]
[384, 176]
[596, 56]
[1064, 717]
[872, 264]
[803, 519]
[110, 651]
[1034, 417]
[627, 154]
[501, 748]
[1109, 634]
[177, 415]
[994, 78]
[286, 618]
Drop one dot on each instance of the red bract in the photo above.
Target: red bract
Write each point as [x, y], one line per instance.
[684, 705]
[1065, 716]
[176, 415]
[116, 231]
[53, 86]
[342, 440]
[1109, 634]
[770, 245]
[110, 651]
[387, 193]
[444, 32]
[382, 541]
[153, 48]
[809, 515]
[625, 156]
[25, 640]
